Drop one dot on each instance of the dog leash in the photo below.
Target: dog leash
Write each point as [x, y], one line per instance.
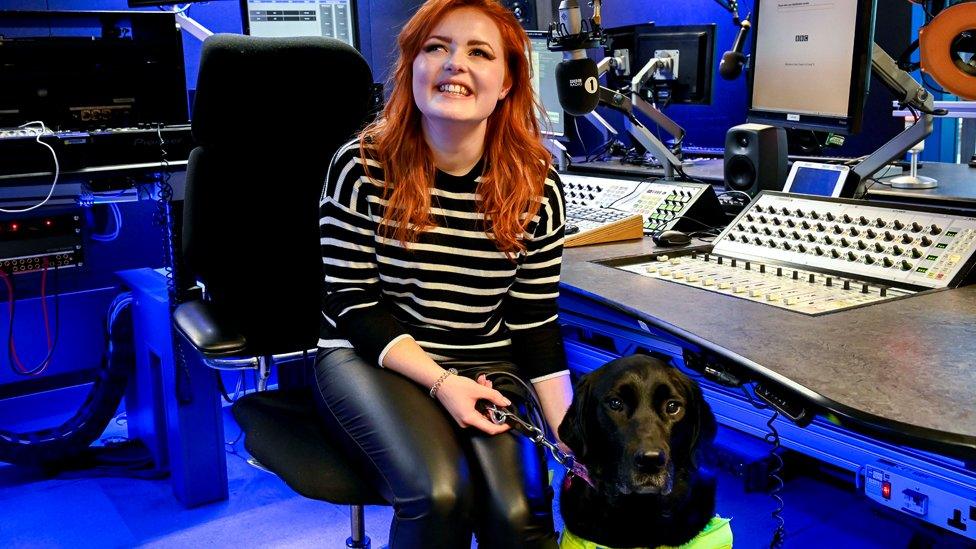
[500, 416]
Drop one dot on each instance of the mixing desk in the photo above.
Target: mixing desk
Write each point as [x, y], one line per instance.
[661, 204]
[816, 255]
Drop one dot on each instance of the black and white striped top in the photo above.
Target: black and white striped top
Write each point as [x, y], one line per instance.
[452, 290]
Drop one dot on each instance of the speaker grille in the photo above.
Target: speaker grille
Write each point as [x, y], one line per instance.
[740, 172]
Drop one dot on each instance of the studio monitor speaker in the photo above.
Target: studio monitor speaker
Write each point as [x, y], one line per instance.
[755, 158]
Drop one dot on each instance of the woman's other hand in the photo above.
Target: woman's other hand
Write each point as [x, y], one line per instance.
[459, 394]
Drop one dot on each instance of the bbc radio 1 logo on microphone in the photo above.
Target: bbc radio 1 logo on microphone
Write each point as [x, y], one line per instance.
[590, 84]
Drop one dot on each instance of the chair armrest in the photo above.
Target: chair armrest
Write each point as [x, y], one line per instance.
[203, 327]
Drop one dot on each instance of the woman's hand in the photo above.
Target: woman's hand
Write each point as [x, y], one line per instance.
[459, 394]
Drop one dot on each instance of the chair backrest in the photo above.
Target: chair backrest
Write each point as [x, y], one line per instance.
[268, 115]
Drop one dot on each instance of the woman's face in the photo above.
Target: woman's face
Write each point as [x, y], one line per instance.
[460, 73]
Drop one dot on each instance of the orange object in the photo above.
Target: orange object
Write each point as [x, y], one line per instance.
[937, 42]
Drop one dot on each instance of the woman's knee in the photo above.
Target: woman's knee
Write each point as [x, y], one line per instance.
[446, 496]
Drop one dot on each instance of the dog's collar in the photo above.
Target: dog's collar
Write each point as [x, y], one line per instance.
[577, 469]
[717, 534]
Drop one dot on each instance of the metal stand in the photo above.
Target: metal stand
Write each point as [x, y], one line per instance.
[913, 181]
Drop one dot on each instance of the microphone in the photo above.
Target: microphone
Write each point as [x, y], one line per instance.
[733, 60]
[577, 80]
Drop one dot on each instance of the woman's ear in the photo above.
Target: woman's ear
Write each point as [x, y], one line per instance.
[573, 431]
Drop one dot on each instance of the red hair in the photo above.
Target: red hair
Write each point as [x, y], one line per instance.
[516, 163]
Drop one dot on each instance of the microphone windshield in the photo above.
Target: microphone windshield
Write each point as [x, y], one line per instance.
[578, 86]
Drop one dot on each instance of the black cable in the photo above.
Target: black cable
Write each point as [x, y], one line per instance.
[931, 85]
[779, 534]
[54, 339]
[692, 219]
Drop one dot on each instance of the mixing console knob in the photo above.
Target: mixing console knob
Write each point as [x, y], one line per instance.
[801, 248]
[878, 247]
[844, 242]
[776, 221]
[805, 224]
[719, 261]
[864, 288]
[833, 253]
[871, 233]
[799, 212]
[748, 266]
[847, 218]
[781, 233]
[851, 256]
[779, 271]
[916, 227]
[897, 250]
[879, 223]
[838, 229]
[821, 227]
[750, 217]
[791, 223]
[757, 241]
[771, 242]
[906, 238]
[812, 238]
[767, 231]
[812, 278]
[898, 225]
[862, 220]
[853, 231]
[926, 241]
[707, 257]
[889, 236]
[862, 245]
[827, 239]
[847, 284]
[795, 235]
[887, 262]
[905, 265]
[814, 215]
[935, 229]
[762, 219]
[868, 259]
[741, 227]
[883, 291]
[829, 281]
[916, 253]
[830, 216]
[733, 262]
[755, 229]
[796, 275]
[762, 269]
[731, 237]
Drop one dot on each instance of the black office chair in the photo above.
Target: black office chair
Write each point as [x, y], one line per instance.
[269, 113]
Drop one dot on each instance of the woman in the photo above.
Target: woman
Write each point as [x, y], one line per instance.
[442, 230]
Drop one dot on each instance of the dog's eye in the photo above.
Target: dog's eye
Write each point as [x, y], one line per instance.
[615, 404]
[672, 407]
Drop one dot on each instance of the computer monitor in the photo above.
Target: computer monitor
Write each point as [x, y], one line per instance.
[694, 44]
[811, 64]
[544, 83]
[330, 18]
[816, 178]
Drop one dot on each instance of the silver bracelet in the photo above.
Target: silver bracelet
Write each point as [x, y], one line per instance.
[440, 380]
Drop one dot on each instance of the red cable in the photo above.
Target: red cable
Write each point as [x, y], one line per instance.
[47, 328]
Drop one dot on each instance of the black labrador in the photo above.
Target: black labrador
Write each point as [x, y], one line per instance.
[638, 425]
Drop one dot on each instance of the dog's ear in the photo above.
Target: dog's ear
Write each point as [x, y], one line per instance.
[573, 429]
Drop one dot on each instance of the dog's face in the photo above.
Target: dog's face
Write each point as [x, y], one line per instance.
[635, 422]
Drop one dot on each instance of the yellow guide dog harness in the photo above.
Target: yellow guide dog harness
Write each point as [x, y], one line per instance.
[717, 534]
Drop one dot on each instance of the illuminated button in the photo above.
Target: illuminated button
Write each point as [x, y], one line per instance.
[755, 293]
[651, 269]
[678, 275]
[665, 272]
[675, 261]
[724, 285]
[662, 258]
[708, 281]
[773, 297]
[791, 300]
[739, 289]
[692, 278]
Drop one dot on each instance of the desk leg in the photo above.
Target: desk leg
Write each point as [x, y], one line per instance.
[189, 433]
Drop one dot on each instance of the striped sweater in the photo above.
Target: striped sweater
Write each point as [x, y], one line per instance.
[452, 291]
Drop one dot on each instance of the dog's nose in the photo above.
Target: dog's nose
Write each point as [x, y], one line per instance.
[649, 460]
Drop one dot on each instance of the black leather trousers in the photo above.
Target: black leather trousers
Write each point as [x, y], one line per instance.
[445, 482]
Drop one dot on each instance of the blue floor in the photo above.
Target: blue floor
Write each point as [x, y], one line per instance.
[821, 510]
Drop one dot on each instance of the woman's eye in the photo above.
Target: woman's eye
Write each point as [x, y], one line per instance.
[481, 53]
[615, 404]
[672, 407]
[434, 47]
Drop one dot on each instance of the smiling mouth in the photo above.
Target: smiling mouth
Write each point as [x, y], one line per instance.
[454, 89]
